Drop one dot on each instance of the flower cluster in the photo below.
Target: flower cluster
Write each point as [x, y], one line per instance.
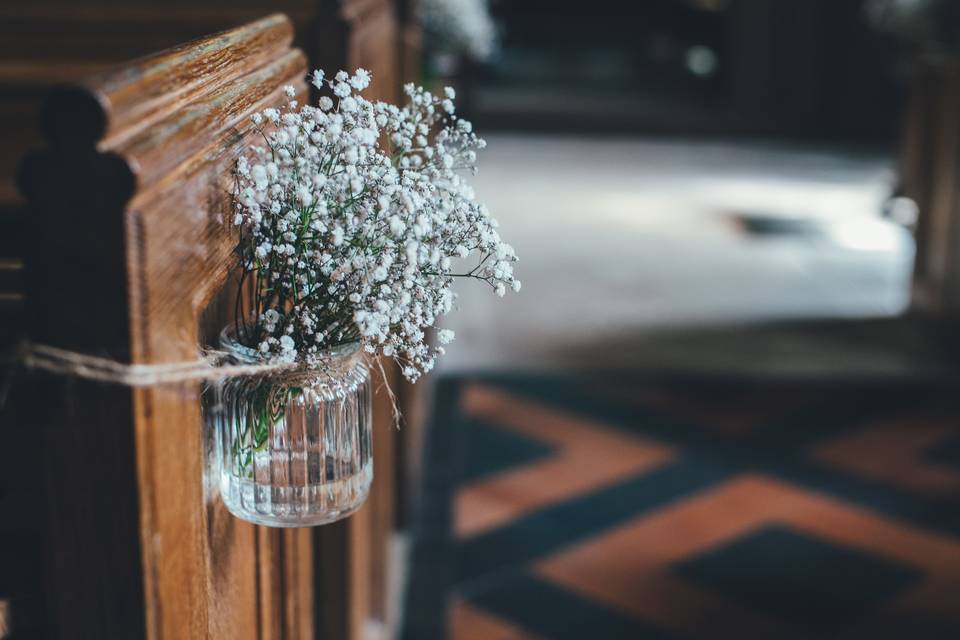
[355, 219]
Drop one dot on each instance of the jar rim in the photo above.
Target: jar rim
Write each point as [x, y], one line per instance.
[249, 355]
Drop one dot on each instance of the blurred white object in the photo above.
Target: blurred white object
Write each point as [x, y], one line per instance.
[898, 15]
[903, 211]
[459, 27]
[702, 61]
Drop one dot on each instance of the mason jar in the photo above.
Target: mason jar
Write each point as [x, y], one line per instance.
[294, 447]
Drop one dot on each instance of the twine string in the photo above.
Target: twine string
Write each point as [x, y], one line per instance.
[210, 366]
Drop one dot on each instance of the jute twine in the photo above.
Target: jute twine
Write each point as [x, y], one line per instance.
[210, 366]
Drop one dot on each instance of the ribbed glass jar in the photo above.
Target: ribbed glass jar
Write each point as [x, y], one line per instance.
[294, 448]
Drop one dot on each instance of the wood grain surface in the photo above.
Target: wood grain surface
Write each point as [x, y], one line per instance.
[128, 250]
[126, 253]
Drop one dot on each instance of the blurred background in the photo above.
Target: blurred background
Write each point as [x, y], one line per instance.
[724, 404]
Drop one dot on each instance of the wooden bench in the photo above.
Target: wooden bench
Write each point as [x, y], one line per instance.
[928, 170]
[47, 42]
[127, 254]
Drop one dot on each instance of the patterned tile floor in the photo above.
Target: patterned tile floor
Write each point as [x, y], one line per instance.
[563, 508]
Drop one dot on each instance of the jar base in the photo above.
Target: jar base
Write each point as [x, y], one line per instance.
[307, 505]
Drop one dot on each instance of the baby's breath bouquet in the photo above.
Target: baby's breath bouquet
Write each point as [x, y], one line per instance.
[355, 218]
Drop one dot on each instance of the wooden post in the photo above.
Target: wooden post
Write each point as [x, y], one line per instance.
[128, 247]
[128, 255]
[930, 175]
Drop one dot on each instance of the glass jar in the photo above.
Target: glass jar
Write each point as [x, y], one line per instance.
[294, 448]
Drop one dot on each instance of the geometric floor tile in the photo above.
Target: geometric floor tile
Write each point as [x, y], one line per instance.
[549, 611]
[726, 410]
[586, 455]
[546, 531]
[558, 508]
[494, 450]
[633, 567]
[946, 453]
[470, 623]
[799, 578]
[900, 453]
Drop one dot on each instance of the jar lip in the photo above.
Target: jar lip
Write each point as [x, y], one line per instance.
[230, 344]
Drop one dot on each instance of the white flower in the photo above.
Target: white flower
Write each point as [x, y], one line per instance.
[260, 178]
[290, 90]
[243, 167]
[360, 79]
[304, 196]
[360, 237]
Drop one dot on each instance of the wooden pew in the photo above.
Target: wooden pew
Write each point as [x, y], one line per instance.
[929, 171]
[46, 42]
[127, 255]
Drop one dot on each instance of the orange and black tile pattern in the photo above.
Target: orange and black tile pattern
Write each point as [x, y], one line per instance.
[559, 508]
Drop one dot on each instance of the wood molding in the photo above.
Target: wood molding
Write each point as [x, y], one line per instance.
[128, 249]
[127, 255]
